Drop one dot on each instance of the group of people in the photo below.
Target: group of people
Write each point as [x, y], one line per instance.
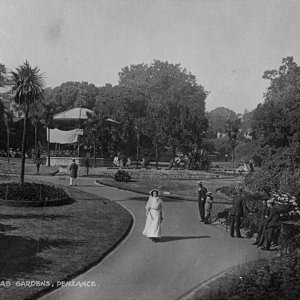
[121, 162]
[12, 153]
[269, 221]
[268, 227]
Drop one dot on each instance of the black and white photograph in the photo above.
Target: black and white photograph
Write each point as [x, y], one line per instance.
[149, 149]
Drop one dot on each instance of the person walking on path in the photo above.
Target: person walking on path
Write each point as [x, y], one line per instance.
[201, 200]
[262, 224]
[73, 173]
[236, 213]
[208, 207]
[154, 216]
[273, 225]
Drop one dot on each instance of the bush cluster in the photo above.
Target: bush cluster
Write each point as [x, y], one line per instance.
[30, 192]
[278, 279]
[122, 175]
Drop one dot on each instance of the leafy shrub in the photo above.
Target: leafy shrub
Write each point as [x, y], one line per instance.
[290, 237]
[122, 175]
[278, 279]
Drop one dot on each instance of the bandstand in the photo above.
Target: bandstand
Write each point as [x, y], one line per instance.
[65, 138]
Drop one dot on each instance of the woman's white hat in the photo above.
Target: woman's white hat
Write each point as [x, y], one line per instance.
[154, 190]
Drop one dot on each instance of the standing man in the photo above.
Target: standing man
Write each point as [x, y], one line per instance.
[87, 164]
[236, 213]
[262, 224]
[273, 225]
[202, 191]
[73, 173]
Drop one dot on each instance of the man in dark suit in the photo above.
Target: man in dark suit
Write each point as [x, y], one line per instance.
[202, 191]
[273, 224]
[73, 173]
[262, 224]
[236, 213]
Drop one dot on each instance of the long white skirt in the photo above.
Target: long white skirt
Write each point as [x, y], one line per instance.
[153, 224]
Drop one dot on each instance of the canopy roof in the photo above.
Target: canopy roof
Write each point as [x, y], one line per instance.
[77, 113]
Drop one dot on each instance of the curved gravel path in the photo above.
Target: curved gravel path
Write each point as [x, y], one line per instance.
[189, 253]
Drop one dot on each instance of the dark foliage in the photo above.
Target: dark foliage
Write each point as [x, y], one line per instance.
[122, 175]
[30, 192]
[278, 279]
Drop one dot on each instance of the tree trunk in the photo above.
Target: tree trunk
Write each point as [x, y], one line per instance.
[7, 143]
[95, 160]
[48, 145]
[35, 136]
[156, 155]
[233, 157]
[24, 143]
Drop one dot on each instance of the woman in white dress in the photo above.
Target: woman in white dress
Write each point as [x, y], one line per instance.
[154, 216]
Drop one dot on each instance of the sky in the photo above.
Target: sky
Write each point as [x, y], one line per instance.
[227, 45]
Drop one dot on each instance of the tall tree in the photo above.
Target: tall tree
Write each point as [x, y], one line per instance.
[218, 118]
[174, 102]
[232, 130]
[3, 75]
[27, 87]
[73, 94]
[276, 122]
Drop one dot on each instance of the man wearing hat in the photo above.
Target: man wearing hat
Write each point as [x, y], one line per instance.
[273, 224]
[262, 224]
[73, 172]
[236, 213]
[201, 200]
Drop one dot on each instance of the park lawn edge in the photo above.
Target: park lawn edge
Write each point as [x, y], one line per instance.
[87, 267]
[119, 185]
[84, 269]
[129, 222]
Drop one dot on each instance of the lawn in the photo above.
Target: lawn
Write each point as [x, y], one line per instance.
[181, 183]
[14, 167]
[48, 244]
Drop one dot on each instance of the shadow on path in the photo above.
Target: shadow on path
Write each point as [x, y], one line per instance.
[176, 238]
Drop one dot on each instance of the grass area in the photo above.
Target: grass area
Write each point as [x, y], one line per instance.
[14, 167]
[179, 184]
[55, 243]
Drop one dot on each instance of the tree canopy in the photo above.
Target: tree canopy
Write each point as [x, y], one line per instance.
[171, 103]
[218, 118]
[276, 122]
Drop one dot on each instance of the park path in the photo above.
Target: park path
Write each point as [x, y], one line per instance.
[189, 253]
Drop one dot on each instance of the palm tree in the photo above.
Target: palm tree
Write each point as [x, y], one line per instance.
[27, 86]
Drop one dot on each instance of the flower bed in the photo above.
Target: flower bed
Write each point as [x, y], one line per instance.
[32, 194]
